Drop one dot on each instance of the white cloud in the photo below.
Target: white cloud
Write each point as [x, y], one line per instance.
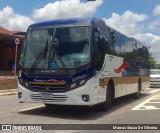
[66, 9]
[130, 23]
[12, 20]
[153, 42]
[127, 22]
[156, 10]
[56, 10]
[154, 25]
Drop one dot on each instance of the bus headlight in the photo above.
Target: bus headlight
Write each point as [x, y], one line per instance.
[82, 82]
[24, 83]
[73, 85]
[78, 84]
[27, 84]
[21, 81]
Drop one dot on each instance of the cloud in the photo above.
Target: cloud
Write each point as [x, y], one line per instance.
[128, 22]
[151, 41]
[56, 10]
[131, 23]
[156, 10]
[154, 25]
[12, 20]
[66, 9]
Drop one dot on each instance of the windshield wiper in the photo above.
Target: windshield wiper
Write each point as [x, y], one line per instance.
[54, 45]
[41, 55]
[46, 50]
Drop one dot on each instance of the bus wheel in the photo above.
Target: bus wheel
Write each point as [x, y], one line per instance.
[107, 104]
[138, 93]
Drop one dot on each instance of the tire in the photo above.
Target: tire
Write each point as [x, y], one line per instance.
[107, 104]
[138, 93]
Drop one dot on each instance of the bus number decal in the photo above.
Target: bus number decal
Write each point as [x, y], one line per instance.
[79, 77]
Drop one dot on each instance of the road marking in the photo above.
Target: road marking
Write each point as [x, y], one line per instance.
[142, 105]
[147, 89]
[27, 109]
[153, 102]
[8, 93]
[153, 91]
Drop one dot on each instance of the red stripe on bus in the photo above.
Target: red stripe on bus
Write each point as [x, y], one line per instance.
[123, 66]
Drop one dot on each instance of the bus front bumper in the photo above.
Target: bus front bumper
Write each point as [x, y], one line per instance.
[79, 96]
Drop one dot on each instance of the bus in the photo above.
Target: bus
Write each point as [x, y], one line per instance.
[81, 62]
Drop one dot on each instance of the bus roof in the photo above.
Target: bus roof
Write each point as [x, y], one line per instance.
[78, 20]
[64, 21]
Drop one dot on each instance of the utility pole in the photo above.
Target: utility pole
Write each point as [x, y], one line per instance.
[17, 42]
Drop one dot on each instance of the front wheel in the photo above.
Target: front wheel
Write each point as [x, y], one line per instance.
[138, 93]
[107, 104]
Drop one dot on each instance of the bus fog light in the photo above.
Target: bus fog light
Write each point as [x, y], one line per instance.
[19, 95]
[85, 98]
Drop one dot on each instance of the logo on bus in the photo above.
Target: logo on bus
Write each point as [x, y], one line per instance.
[122, 67]
[57, 81]
[47, 88]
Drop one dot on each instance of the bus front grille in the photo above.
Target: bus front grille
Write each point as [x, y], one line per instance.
[55, 98]
[48, 88]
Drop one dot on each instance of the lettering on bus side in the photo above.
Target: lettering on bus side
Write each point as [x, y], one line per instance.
[79, 77]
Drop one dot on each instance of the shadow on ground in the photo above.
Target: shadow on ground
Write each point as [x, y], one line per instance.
[81, 113]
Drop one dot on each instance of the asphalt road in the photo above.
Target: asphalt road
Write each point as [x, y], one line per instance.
[125, 110]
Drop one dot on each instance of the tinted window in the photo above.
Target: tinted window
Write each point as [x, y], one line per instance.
[120, 45]
[105, 37]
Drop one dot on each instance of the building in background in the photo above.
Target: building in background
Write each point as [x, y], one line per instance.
[7, 53]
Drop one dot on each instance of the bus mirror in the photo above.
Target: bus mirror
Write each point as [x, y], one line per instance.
[56, 42]
[97, 36]
[98, 65]
[96, 30]
[97, 41]
[102, 43]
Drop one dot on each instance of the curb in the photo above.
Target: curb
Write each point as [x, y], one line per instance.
[8, 82]
[8, 77]
[8, 92]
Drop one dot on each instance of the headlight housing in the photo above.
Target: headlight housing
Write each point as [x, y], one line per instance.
[77, 84]
[24, 83]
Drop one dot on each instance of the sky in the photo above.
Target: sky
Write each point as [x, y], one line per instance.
[137, 18]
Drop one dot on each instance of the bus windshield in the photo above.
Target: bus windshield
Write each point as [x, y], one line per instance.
[54, 48]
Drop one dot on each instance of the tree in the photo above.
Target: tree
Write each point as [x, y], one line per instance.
[152, 62]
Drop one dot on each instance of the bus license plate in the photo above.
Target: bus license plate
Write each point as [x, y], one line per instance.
[46, 96]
